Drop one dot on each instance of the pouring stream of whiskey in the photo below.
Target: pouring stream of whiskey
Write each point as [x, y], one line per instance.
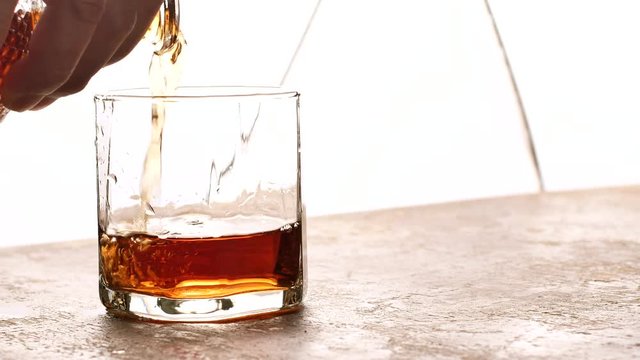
[164, 74]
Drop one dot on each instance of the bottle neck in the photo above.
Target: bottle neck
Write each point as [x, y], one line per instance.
[33, 6]
[165, 28]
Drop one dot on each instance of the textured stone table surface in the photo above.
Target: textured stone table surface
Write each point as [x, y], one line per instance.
[540, 276]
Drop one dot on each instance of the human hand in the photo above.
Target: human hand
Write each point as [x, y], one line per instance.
[72, 42]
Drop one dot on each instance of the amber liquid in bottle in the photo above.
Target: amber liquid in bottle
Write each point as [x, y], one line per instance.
[193, 268]
[16, 45]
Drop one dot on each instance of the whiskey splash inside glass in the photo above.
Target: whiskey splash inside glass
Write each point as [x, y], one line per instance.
[222, 234]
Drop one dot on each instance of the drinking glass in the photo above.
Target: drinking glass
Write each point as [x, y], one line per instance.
[199, 209]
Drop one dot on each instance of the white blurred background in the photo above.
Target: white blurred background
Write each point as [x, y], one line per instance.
[404, 102]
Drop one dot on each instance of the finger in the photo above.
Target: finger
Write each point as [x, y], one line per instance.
[7, 9]
[143, 16]
[117, 23]
[62, 36]
[147, 10]
[44, 103]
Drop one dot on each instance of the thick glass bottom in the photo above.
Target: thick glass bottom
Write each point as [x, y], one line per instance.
[218, 309]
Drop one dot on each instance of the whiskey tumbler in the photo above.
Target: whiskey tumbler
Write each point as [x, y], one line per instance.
[199, 203]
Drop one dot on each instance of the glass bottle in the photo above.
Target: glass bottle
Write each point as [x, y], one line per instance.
[26, 15]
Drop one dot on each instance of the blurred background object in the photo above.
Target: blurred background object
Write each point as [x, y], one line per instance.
[403, 103]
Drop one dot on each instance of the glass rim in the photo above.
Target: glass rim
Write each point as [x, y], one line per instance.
[197, 92]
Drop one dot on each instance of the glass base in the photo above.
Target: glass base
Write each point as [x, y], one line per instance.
[221, 309]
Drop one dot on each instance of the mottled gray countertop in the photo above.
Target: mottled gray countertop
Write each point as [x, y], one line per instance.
[554, 275]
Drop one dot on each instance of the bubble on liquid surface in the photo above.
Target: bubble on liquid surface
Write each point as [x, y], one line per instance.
[287, 228]
[195, 222]
[104, 239]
